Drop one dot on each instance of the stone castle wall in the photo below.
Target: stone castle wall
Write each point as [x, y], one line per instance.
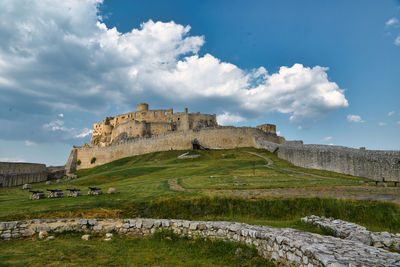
[375, 164]
[12, 174]
[215, 138]
[286, 246]
[145, 123]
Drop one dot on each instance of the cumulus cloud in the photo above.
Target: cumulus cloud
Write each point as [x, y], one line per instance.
[390, 113]
[381, 123]
[328, 138]
[397, 41]
[59, 56]
[228, 118]
[392, 22]
[84, 133]
[354, 118]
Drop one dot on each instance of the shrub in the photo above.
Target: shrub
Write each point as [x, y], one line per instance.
[92, 160]
[78, 162]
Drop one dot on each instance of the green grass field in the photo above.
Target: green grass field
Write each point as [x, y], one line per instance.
[231, 185]
[162, 249]
[161, 185]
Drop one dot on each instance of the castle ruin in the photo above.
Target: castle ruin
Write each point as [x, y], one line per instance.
[145, 131]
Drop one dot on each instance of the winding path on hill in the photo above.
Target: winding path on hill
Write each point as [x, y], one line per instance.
[268, 161]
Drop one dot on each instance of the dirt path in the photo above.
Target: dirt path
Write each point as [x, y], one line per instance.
[174, 185]
[268, 161]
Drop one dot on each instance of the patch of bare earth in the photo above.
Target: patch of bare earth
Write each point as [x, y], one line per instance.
[174, 185]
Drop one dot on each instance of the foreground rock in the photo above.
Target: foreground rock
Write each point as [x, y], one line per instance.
[86, 237]
[26, 186]
[352, 231]
[284, 245]
[112, 190]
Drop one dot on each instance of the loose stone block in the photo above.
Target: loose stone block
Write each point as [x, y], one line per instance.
[26, 186]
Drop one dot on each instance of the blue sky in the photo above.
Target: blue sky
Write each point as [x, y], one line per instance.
[323, 71]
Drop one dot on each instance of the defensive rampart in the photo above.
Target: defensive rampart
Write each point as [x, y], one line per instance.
[375, 164]
[284, 245]
[215, 138]
[12, 174]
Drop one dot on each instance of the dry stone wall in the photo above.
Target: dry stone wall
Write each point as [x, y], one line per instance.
[13, 174]
[375, 164]
[287, 246]
[352, 231]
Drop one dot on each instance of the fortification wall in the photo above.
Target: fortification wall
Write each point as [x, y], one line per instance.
[218, 137]
[286, 246]
[12, 174]
[374, 164]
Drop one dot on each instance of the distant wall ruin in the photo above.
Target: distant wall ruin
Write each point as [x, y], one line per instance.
[375, 164]
[13, 174]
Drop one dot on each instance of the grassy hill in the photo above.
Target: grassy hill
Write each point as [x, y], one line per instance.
[246, 185]
[242, 185]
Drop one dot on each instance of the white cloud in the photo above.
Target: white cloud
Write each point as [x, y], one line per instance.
[391, 113]
[354, 118]
[30, 143]
[64, 132]
[398, 122]
[328, 138]
[59, 56]
[229, 119]
[397, 41]
[278, 132]
[84, 133]
[392, 22]
[12, 159]
[381, 123]
[56, 125]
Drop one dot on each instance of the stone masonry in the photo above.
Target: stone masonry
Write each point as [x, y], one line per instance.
[284, 245]
[352, 231]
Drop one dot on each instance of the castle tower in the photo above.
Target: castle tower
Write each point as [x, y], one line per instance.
[142, 107]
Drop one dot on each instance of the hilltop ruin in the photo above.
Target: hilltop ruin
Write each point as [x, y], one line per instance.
[145, 131]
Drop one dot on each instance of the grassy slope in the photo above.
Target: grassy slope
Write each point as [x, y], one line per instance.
[144, 191]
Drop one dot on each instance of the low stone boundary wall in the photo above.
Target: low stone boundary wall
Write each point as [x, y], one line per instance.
[284, 245]
[352, 231]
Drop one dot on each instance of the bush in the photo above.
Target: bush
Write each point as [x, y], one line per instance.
[78, 162]
[92, 160]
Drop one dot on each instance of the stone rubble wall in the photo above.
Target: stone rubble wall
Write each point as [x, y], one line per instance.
[16, 173]
[287, 246]
[380, 165]
[352, 231]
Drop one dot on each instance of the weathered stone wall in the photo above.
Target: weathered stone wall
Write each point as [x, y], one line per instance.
[352, 231]
[216, 138]
[374, 164]
[268, 128]
[284, 245]
[12, 174]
